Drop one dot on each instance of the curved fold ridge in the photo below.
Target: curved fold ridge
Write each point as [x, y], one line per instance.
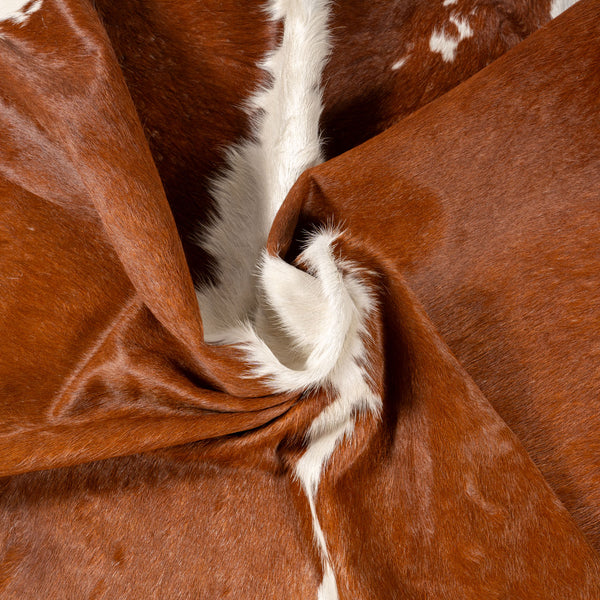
[322, 316]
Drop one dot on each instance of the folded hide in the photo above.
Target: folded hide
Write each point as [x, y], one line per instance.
[399, 399]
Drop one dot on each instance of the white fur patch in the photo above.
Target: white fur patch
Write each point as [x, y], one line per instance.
[18, 11]
[445, 44]
[299, 329]
[323, 318]
[350, 383]
[261, 170]
[464, 30]
[328, 588]
[559, 6]
[450, 2]
[399, 63]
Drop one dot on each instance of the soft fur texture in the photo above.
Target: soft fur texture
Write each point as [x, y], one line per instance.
[140, 462]
[18, 11]
[447, 44]
[299, 328]
[261, 170]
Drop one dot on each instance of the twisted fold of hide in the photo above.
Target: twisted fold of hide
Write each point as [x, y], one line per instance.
[141, 461]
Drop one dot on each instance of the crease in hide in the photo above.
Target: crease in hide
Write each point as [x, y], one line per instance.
[298, 329]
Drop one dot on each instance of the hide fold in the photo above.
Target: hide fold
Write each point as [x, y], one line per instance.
[140, 461]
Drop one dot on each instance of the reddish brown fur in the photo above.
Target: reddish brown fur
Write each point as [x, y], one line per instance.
[480, 479]
[495, 229]
[190, 67]
[364, 96]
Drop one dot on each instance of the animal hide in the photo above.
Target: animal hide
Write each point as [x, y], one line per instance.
[256, 345]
